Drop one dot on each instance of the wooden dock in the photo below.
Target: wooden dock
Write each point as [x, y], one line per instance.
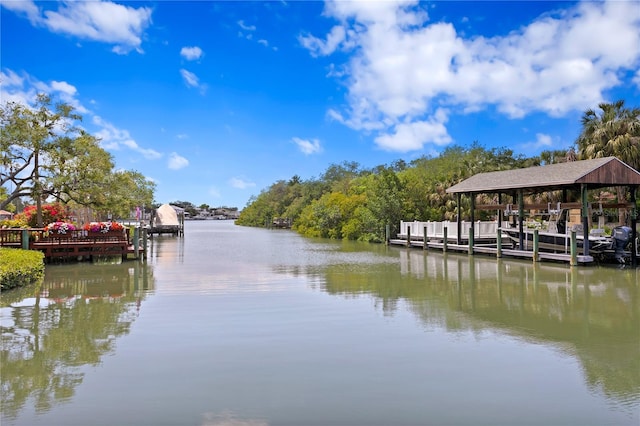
[473, 237]
[492, 249]
[79, 244]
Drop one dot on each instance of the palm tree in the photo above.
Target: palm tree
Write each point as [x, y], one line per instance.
[614, 132]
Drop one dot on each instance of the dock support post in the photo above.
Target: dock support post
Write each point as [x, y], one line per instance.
[471, 238]
[521, 219]
[634, 225]
[585, 220]
[387, 234]
[144, 242]
[136, 242]
[424, 238]
[25, 239]
[536, 245]
[444, 239]
[574, 249]
[459, 219]
[499, 243]
[408, 236]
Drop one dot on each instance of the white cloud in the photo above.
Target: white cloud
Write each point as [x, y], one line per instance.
[23, 88]
[241, 183]
[543, 140]
[177, 162]
[102, 21]
[308, 146]
[248, 32]
[402, 68]
[189, 78]
[191, 53]
[246, 27]
[318, 47]
[27, 7]
[113, 138]
[192, 80]
[414, 135]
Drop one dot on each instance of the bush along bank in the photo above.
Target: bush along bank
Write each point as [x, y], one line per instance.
[20, 267]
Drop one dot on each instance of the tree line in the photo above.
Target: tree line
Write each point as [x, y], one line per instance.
[351, 202]
[45, 156]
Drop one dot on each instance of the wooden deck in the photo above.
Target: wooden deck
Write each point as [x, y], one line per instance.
[76, 244]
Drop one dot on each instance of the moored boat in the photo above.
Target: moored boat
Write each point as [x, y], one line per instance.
[557, 239]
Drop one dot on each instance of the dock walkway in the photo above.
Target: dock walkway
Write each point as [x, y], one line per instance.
[486, 239]
[492, 250]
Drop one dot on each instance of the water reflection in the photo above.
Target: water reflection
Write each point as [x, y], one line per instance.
[254, 327]
[50, 331]
[587, 312]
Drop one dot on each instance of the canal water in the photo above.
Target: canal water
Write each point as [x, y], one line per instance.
[249, 327]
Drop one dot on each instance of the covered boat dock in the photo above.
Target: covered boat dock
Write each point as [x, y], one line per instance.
[571, 179]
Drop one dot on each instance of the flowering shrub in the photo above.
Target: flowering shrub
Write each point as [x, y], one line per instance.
[54, 212]
[103, 227]
[59, 228]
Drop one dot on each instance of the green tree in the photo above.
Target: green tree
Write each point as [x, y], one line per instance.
[124, 191]
[615, 131]
[30, 145]
[44, 156]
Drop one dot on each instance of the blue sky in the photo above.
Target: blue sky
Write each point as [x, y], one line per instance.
[215, 101]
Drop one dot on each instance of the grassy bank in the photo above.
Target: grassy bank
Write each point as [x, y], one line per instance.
[20, 267]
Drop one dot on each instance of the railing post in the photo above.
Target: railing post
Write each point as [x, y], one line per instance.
[536, 245]
[444, 239]
[499, 243]
[574, 249]
[25, 239]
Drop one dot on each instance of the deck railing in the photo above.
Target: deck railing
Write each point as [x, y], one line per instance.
[70, 244]
[435, 230]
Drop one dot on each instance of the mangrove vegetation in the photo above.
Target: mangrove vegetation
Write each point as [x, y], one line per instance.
[351, 202]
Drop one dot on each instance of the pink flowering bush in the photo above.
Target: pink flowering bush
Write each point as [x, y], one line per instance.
[103, 227]
[59, 227]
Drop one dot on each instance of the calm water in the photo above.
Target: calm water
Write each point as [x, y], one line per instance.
[245, 327]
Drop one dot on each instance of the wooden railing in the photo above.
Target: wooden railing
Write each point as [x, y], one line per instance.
[70, 244]
[435, 230]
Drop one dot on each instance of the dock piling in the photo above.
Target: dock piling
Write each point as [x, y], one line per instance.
[444, 239]
[136, 242]
[574, 249]
[424, 238]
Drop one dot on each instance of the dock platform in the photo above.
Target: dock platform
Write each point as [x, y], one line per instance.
[74, 245]
[492, 249]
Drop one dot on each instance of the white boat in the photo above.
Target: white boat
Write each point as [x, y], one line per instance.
[557, 238]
